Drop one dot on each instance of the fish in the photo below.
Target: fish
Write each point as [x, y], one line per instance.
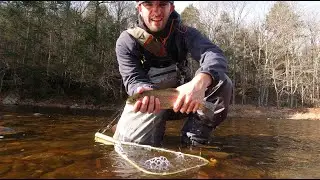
[167, 98]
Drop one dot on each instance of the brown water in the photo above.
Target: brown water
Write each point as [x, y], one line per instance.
[62, 146]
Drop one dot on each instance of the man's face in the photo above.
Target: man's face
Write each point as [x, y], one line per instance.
[155, 14]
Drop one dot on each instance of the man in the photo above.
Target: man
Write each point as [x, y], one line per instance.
[143, 69]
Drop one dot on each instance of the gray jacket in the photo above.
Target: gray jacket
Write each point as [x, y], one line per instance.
[182, 40]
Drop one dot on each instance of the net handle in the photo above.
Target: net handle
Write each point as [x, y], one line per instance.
[107, 140]
[111, 141]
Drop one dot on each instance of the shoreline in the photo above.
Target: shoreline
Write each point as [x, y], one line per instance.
[235, 111]
[251, 111]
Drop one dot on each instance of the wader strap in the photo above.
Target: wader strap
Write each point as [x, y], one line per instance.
[147, 41]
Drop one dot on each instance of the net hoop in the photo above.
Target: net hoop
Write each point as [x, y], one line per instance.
[102, 138]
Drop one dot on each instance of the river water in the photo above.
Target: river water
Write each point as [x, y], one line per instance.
[61, 145]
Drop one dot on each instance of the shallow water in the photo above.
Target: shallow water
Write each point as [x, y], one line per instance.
[62, 146]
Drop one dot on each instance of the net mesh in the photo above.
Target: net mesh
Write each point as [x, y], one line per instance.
[157, 163]
[157, 160]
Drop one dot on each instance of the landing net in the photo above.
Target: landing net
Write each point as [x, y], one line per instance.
[153, 160]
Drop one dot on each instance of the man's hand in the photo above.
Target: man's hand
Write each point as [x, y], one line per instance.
[147, 104]
[192, 93]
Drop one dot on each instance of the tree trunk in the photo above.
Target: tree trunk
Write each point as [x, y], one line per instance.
[278, 101]
[27, 40]
[1, 80]
[244, 74]
[49, 53]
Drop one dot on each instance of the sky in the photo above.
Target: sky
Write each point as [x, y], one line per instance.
[180, 5]
[260, 8]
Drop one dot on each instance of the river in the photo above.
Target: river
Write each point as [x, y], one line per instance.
[57, 143]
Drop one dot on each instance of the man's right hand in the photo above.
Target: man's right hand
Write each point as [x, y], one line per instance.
[147, 104]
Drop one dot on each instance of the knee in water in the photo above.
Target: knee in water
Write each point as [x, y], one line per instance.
[196, 131]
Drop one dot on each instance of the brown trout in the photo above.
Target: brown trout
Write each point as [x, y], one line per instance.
[167, 98]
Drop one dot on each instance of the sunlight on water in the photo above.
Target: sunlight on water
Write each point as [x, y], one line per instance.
[62, 146]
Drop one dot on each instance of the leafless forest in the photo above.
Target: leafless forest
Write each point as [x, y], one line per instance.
[54, 49]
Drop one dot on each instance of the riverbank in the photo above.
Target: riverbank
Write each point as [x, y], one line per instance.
[58, 102]
[236, 111]
[250, 111]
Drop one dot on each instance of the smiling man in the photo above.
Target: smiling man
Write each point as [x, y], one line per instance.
[153, 55]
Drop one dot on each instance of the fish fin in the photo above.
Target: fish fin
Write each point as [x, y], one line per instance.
[210, 108]
[219, 110]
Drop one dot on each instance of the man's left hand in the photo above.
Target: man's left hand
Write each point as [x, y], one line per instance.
[192, 93]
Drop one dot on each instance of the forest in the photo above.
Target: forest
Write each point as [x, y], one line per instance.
[66, 49]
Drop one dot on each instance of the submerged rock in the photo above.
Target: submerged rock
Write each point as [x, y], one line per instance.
[38, 156]
[75, 170]
[6, 132]
[209, 153]
[5, 168]
[220, 155]
[37, 114]
[202, 175]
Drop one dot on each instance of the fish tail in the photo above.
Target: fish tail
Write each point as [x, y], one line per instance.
[210, 108]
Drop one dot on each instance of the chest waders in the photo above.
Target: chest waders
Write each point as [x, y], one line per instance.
[171, 75]
[145, 128]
